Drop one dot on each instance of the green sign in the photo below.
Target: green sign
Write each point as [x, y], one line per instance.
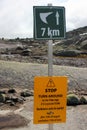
[49, 22]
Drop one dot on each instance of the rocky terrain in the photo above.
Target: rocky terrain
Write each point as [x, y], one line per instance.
[75, 44]
[23, 59]
[65, 52]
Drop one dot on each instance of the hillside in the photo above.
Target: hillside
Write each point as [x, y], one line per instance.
[74, 45]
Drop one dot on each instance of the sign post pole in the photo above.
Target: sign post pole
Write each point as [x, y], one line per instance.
[50, 58]
[50, 64]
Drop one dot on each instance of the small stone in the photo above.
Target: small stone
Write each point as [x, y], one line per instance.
[8, 101]
[14, 99]
[2, 97]
[1, 103]
[20, 100]
[2, 92]
[12, 90]
[26, 94]
[8, 97]
[12, 103]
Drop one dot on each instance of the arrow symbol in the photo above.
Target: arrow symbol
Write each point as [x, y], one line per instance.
[44, 16]
[57, 18]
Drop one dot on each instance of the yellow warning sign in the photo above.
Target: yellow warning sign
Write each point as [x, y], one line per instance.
[50, 100]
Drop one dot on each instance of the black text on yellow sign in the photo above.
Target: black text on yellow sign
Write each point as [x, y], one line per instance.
[50, 100]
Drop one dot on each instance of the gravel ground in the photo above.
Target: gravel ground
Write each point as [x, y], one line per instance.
[76, 119]
[17, 74]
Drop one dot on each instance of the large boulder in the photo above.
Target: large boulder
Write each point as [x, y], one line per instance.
[72, 100]
[67, 53]
[83, 100]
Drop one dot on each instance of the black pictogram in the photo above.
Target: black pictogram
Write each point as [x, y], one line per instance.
[51, 83]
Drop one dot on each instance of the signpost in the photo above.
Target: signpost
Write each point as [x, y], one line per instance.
[49, 22]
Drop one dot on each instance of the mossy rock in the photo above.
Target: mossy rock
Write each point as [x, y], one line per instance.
[83, 100]
[72, 100]
[2, 97]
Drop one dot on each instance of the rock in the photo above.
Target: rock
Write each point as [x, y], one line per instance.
[67, 53]
[2, 97]
[23, 98]
[14, 99]
[2, 92]
[1, 104]
[26, 52]
[19, 47]
[20, 100]
[83, 100]
[8, 101]
[12, 96]
[84, 45]
[26, 93]
[11, 90]
[8, 97]
[72, 100]
[12, 103]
